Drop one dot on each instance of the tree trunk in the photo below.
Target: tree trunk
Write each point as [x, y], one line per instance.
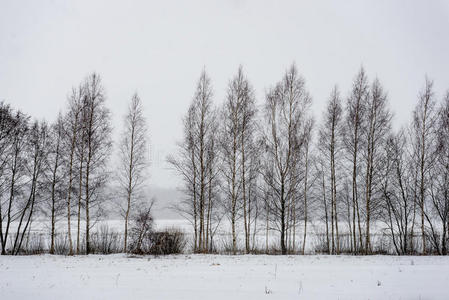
[11, 198]
[69, 190]
[129, 190]
[244, 196]
[305, 198]
[80, 193]
[53, 187]
[325, 212]
[283, 248]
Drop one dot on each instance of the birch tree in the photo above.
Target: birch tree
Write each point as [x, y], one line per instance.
[6, 130]
[248, 153]
[307, 158]
[37, 147]
[71, 137]
[16, 175]
[237, 138]
[133, 158]
[377, 129]
[330, 139]
[355, 113]
[398, 191]
[437, 215]
[286, 112]
[55, 163]
[424, 121]
[194, 161]
[97, 136]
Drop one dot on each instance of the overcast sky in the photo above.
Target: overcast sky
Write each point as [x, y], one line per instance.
[159, 49]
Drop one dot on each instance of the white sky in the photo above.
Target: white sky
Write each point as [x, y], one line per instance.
[159, 49]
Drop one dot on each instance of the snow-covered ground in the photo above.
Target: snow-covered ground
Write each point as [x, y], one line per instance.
[223, 277]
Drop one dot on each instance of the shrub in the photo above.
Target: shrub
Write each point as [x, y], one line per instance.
[61, 244]
[169, 241]
[34, 243]
[105, 241]
[144, 240]
[140, 233]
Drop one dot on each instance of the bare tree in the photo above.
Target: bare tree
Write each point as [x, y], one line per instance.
[438, 214]
[133, 158]
[205, 118]
[55, 163]
[286, 111]
[71, 138]
[37, 150]
[424, 121]
[185, 165]
[248, 151]
[194, 160]
[355, 111]
[307, 144]
[378, 126]
[267, 171]
[331, 145]
[81, 153]
[237, 137]
[255, 196]
[6, 130]
[16, 172]
[398, 190]
[320, 165]
[97, 136]
[230, 149]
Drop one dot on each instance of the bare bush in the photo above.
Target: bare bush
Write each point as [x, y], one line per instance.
[61, 244]
[169, 241]
[141, 230]
[106, 241]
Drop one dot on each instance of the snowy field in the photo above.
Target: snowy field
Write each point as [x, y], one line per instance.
[223, 277]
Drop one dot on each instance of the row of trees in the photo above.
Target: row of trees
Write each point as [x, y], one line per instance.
[352, 176]
[362, 186]
[60, 171]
